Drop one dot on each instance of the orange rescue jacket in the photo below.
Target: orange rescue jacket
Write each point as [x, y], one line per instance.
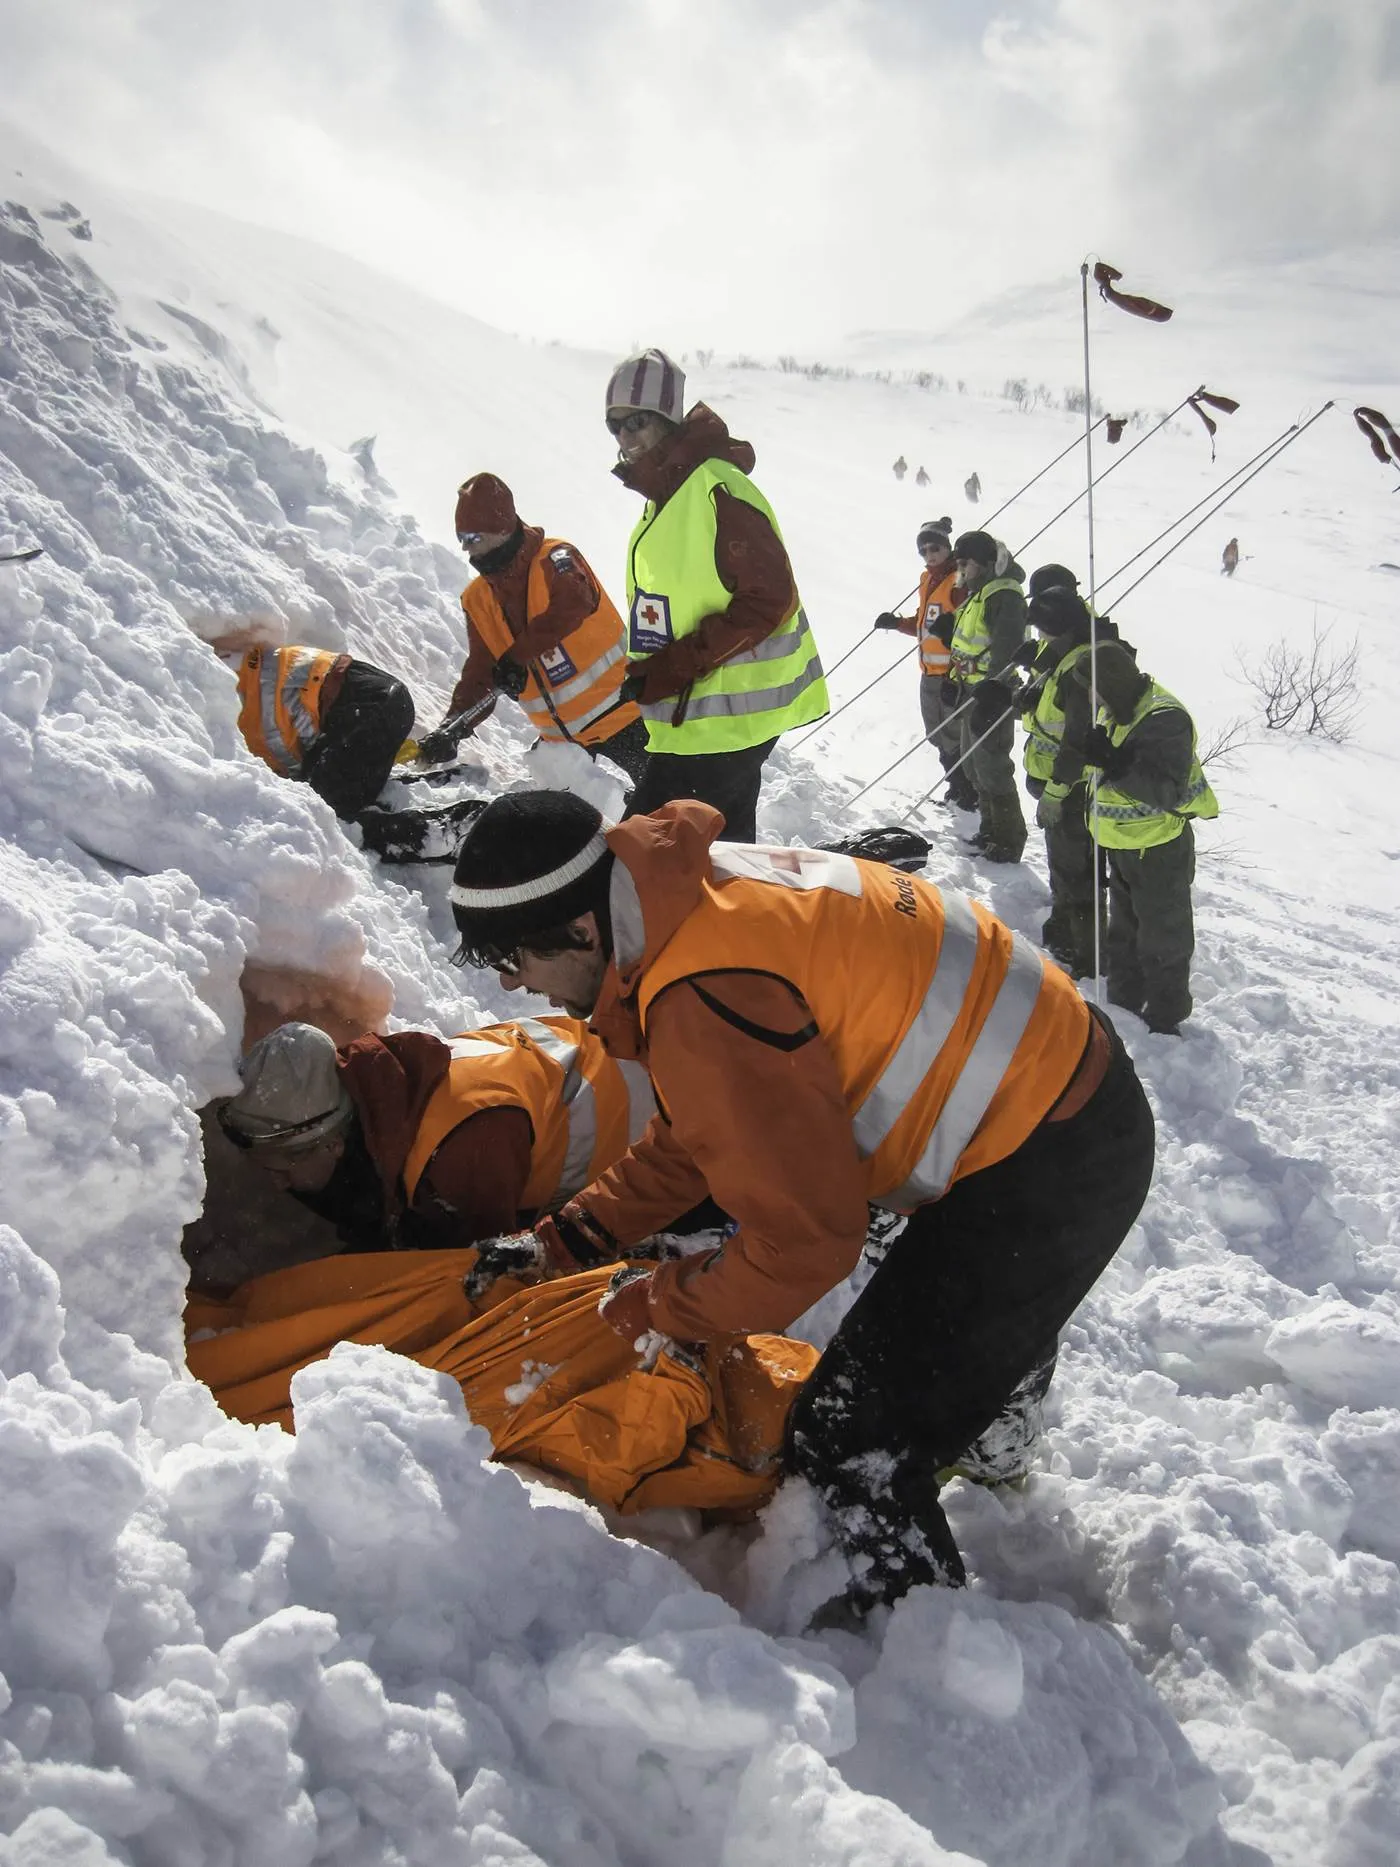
[821, 1032]
[585, 1109]
[280, 689]
[578, 680]
[935, 600]
[952, 1035]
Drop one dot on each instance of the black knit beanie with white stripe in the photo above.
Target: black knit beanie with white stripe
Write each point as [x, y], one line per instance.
[530, 863]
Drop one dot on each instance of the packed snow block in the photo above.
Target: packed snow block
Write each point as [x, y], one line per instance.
[1364, 1809]
[31, 1320]
[716, 1690]
[1365, 1450]
[70, 1489]
[401, 1523]
[1347, 1356]
[1210, 1324]
[1048, 1746]
[792, 1806]
[49, 1838]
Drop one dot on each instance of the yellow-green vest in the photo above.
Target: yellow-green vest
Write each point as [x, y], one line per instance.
[1045, 721]
[1122, 822]
[672, 585]
[971, 644]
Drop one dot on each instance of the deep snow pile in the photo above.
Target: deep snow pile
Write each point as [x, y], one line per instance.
[221, 1645]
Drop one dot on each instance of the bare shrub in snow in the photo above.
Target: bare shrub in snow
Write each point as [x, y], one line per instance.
[1226, 743]
[1312, 690]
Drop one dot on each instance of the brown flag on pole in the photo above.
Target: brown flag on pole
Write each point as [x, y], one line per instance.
[1105, 277]
[1385, 442]
[1225, 403]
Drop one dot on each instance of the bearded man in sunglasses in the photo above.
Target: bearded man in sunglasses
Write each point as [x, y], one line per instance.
[721, 655]
[541, 630]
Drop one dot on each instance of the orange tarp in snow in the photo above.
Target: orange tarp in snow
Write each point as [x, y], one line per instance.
[537, 1365]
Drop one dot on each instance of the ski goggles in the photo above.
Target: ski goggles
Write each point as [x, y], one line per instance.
[470, 540]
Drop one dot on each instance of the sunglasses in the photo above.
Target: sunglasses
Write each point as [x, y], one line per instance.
[630, 424]
[283, 1139]
[470, 539]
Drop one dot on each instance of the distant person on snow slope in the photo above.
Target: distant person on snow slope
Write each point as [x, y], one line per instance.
[932, 626]
[722, 657]
[541, 630]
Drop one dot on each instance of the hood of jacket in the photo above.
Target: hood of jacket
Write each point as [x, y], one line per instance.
[1121, 683]
[390, 1080]
[662, 861]
[665, 468]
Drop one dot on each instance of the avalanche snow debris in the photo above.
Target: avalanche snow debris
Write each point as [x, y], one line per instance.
[223, 1645]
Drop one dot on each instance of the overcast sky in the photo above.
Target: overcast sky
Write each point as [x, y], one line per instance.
[749, 173]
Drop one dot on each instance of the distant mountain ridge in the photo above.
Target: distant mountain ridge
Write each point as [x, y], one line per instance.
[1330, 323]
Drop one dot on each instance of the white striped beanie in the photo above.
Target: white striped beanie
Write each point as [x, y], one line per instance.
[649, 381]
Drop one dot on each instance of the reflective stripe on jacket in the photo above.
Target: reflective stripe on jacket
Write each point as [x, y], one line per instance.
[585, 1108]
[580, 678]
[672, 586]
[935, 601]
[1045, 723]
[280, 690]
[971, 643]
[1123, 822]
[953, 1038]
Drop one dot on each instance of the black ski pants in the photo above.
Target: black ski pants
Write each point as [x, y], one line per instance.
[728, 780]
[364, 726]
[1070, 856]
[1151, 930]
[967, 1305]
[627, 749]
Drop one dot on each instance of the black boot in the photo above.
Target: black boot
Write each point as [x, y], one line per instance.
[1003, 833]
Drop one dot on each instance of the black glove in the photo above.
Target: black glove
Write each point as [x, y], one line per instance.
[887, 620]
[509, 676]
[1025, 655]
[632, 686]
[991, 700]
[436, 747]
[517, 1254]
[951, 693]
[1100, 750]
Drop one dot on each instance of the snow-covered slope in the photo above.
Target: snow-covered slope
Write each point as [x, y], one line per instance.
[220, 1645]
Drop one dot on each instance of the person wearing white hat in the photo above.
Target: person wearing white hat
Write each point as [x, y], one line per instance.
[721, 655]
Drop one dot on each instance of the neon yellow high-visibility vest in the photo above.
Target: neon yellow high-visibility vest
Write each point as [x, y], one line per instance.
[672, 585]
[1045, 722]
[1123, 822]
[971, 643]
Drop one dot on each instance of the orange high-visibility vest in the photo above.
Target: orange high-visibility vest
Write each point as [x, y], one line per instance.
[577, 680]
[281, 694]
[935, 600]
[585, 1107]
[953, 1036]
